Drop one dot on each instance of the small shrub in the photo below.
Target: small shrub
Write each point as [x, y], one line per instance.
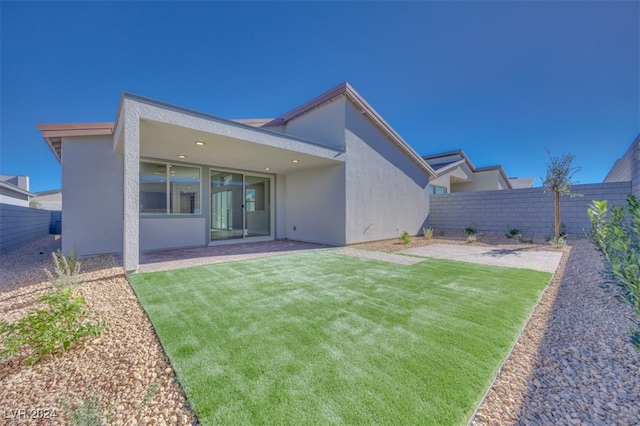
[558, 242]
[618, 238]
[512, 232]
[524, 240]
[51, 330]
[427, 233]
[87, 413]
[67, 270]
[405, 238]
[56, 327]
[471, 238]
[470, 230]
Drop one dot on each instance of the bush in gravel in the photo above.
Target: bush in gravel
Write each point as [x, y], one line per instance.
[90, 412]
[512, 232]
[56, 327]
[67, 270]
[405, 238]
[427, 233]
[618, 238]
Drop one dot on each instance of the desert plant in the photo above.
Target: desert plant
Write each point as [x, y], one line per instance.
[470, 230]
[559, 180]
[427, 233]
[51, 330]
[405, 238]
[512, 232]
[89, 412]
[471, 238]
[523, 239]
[558, 242]
[56, 327]
[618, 238]
[67, 270]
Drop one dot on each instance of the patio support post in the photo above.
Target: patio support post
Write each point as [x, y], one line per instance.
[131, 152]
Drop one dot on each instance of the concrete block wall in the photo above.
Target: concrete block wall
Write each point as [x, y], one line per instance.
[20, 225]
[529, 210]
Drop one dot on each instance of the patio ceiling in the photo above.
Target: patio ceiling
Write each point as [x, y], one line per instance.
[170, 142]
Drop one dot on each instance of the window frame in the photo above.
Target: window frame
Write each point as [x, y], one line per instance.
[168, 192]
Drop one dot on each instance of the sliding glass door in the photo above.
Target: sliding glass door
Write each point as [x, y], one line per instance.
[240, 205]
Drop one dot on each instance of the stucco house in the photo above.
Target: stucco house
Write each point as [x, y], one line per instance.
[49, 200]
[455, 173]
[14, 190]
[627, 168]
[160, 176]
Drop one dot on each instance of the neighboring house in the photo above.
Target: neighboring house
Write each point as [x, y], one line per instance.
[522, 183]
[49, 200]
[627, 168]
[456, 173]
[14, 190]
[331, 171]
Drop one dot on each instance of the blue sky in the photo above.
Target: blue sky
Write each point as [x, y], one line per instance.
[500, 80]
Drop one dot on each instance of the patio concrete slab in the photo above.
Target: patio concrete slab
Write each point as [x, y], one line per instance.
[164, 260]
[378, 255]
[539, 260]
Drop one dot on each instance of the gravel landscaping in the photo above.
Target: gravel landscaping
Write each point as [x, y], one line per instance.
[573, 363]
[115, 370]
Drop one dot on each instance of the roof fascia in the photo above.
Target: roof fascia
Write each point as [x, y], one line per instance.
[205, 116]
[16, 189]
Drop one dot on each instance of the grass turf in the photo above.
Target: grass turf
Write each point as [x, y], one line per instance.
[320, 338]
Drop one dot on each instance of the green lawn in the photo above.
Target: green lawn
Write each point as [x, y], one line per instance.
[321, 338]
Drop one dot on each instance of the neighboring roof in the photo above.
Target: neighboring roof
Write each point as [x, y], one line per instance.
[53, 133]
[14, 188]
[442, 163]
[253, 122]
[520, 183]
[49, 192]
[366, 109]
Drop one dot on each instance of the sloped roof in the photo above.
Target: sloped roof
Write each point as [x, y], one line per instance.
[441, 162]
[53, 133]
[347, 90]
[15, 189]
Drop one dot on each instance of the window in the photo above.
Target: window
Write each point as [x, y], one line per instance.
[435, 190]
[168, 188]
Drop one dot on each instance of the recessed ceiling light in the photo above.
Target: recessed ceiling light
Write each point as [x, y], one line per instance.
[182, 156]
[295, 161]
[267, 168]
[200, 143]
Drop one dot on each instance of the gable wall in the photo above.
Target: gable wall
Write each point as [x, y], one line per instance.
[386, 191]
[324, 124]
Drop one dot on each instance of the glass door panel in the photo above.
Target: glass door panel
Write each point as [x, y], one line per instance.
[227, 215]
[257, 206]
